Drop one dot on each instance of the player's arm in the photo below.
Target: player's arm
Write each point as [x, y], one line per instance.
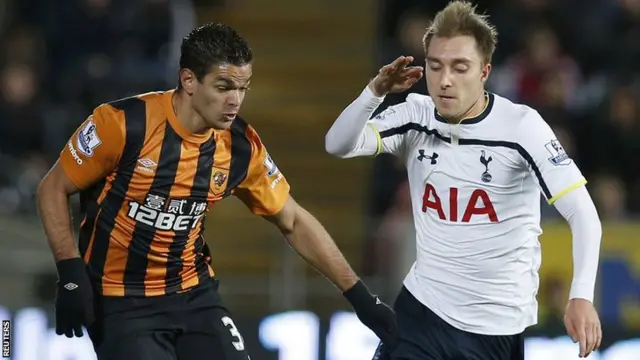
[354, 134]
[578, 209]
[313, 243]
[53, 207]
[90, 154]
[265, 191]
[563, 185]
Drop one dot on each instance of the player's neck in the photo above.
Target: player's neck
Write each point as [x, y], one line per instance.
[476, 109]
[186, 115]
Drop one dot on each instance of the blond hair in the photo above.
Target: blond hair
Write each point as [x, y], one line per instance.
[460, 18]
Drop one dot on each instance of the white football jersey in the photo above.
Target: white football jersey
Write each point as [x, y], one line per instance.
[475, 190]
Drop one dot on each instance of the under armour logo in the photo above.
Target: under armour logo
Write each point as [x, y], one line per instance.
[432, 157]
[71, 286]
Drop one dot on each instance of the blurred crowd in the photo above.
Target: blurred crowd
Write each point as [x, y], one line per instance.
[575, 61]
[59, 59]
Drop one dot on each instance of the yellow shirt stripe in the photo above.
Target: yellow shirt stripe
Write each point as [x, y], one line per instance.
[378, 138]
[566, 191]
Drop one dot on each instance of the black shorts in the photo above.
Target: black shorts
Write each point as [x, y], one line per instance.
[192, 325]
[422, 335]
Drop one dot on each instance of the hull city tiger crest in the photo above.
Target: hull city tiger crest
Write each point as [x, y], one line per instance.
[219, 178]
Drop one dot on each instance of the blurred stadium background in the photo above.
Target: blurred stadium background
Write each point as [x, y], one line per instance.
[574, 60]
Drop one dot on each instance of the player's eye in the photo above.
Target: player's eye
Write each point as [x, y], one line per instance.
[223, 88]
[435, 67]
[461, 70]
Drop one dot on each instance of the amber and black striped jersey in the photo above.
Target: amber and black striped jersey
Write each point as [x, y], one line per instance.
[146, 185]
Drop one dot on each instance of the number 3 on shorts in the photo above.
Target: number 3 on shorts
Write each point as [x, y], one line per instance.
[227, 322]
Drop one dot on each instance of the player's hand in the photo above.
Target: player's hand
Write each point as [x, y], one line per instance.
[206, 253]
[583, 325]
[373, 313]
[396, 77]
[74, 298]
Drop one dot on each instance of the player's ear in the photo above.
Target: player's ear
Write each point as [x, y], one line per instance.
[188, 80]
[484, 75]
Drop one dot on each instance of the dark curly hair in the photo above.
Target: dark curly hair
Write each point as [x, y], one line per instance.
[210, 45]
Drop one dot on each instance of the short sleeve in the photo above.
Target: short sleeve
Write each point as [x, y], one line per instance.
[391, 127]
[93, 151]
[555, 171]
[265, 190]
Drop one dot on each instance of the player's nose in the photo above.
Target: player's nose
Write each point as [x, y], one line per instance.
[234, 99]
[445, 81]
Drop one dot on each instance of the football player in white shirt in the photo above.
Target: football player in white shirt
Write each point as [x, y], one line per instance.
[477, 164]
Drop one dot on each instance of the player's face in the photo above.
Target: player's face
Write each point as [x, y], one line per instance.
[218, 97]
[455, 74]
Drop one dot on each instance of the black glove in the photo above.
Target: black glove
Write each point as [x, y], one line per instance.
[74, 298]
[373, 313]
